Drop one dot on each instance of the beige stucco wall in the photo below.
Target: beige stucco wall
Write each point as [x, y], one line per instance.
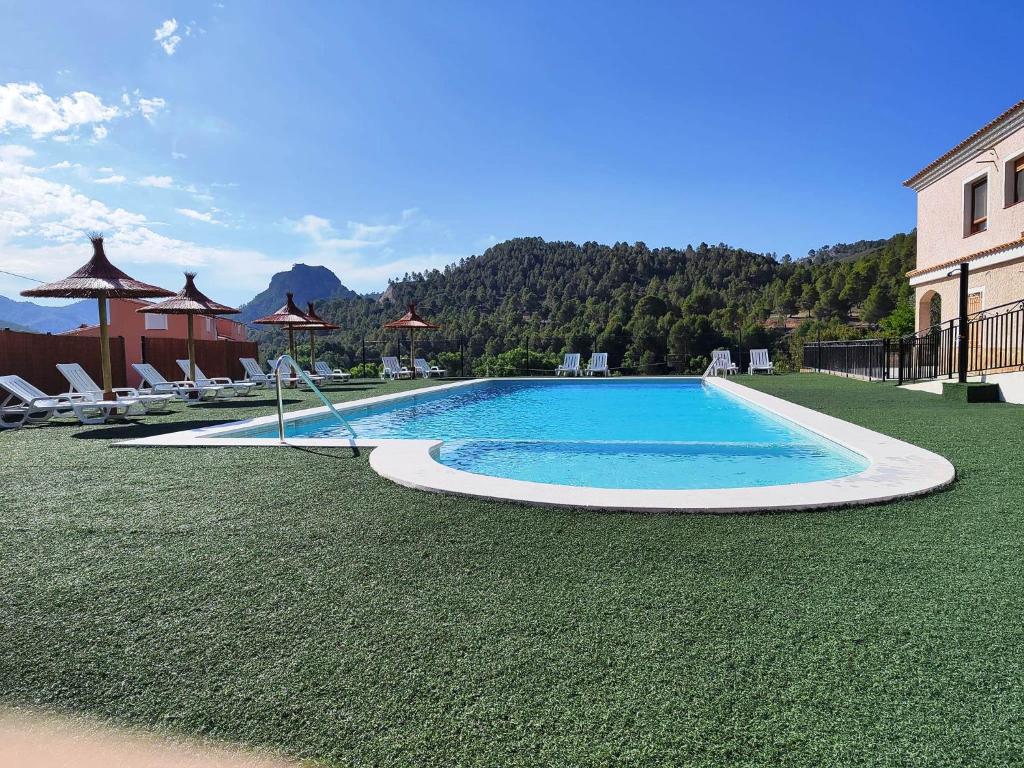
[940, 208]
[998, 285]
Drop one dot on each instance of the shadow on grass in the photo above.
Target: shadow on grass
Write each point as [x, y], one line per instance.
[331, 454]
[133, 429]
[236, 403]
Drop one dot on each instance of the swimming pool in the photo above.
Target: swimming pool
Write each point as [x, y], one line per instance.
[669, 443]
[669, 434]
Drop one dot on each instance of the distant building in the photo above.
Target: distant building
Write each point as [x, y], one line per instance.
[970, 208]
[125, 321]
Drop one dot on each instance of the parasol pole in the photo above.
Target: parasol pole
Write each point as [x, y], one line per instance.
[412, 350]
[191, 349]
[291, 342]
[312, 351]
[108, 384]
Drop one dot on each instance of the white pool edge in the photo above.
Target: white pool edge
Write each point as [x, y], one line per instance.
[896, 469]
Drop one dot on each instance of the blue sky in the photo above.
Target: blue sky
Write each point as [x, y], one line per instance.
[237, 138]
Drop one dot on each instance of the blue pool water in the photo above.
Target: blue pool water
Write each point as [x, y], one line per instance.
[670, 434]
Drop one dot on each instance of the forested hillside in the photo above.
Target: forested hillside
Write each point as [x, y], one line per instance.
[643, 306]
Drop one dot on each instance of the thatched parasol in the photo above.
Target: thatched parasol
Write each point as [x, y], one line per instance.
[291, 318]
[100, 280]
[317, 324]
[414, 323]
[189, 301]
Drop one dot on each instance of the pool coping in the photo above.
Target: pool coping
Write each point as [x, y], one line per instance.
[896, 469]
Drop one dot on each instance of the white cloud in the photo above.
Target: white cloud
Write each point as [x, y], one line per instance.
[164, 35]
[151, 107]
[110, 180]
[160, 182]
[65, 164]
[99, 133]
[43, 225]
[178, 155]
[105, 169]
[358, 235]
[198, 215]
[25, 105]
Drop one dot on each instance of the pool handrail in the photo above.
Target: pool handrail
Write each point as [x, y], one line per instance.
[309, 383]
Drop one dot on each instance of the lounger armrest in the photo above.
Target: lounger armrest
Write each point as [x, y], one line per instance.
[125, 392]
[163, 386]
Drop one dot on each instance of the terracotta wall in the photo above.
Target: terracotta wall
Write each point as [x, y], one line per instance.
[125, 321]
[34, 357]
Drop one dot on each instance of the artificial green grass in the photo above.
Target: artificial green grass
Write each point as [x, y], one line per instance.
[293, 599]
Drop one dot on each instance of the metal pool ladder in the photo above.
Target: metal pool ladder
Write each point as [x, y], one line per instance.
[309, 382]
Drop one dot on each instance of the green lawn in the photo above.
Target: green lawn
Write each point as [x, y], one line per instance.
[293, 599]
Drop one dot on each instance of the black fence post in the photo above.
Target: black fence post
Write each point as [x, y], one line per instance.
[949, 369]
[526, 368]
[900, 362]
[819, 352]
[363, 343]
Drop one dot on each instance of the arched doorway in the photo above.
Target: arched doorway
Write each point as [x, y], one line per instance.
[929, 310]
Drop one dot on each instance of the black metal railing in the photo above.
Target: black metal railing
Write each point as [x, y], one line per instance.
[866, 358]
[995, 342]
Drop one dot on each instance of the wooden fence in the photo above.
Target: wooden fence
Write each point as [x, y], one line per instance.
[214, 358]
[34, 357]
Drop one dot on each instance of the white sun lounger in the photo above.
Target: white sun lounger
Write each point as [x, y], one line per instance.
[393, 370]
[424, 369]
[254, 374]
[82, 383]
[570, 365]
[330, 374]
[153, 383]
[722, 362]
[598, 364]
[28, 404]
[241, 388]
[759, 362]
[290, 374]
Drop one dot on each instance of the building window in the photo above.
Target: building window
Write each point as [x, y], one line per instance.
[979, 205]
[211, 326]
[1018, 181]
[156, 322]
[974, 303]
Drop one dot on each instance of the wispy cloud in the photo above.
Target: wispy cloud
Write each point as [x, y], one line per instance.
[42, 226]
[206, 216]
[160, 182]
[165, 37]
[110, 180]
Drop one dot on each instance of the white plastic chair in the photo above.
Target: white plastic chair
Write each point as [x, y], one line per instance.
[330, 374]
[154, 383]
[30, 405]
[426, 370]
[254, 374]
[393, 370]
[241, 388]
[598, 364]
[723, 363]
[82, 383]
[570, 365]
[759, 362]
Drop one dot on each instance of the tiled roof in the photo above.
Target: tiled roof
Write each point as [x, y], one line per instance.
[971, 257]
[980, 132]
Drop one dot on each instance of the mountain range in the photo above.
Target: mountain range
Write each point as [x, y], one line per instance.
[29, 316]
